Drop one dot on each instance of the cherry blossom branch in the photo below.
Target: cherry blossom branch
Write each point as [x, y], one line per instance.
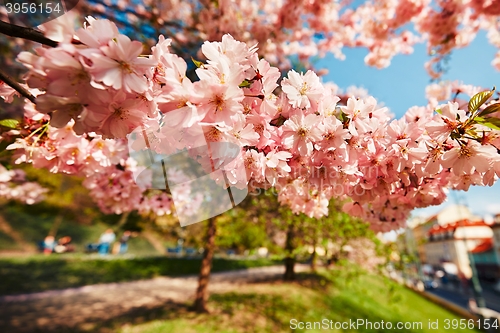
[16, 86]
[297, 139]
[139, 29]
[146, 139]
[31, 34]
[118, 9]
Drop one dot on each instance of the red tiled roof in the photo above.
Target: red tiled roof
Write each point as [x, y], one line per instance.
[452, 226]
[430, 218]
[484, 246]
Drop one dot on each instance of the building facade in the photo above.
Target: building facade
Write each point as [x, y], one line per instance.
[418, 229]
[452, 242]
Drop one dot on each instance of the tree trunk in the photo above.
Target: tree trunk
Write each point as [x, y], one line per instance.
[290, 256]
[314, 255]
[337, 255]
[123, 220]
[327, 254]
[153, 240]
[200, 303]
[56, 225]
[6, 228]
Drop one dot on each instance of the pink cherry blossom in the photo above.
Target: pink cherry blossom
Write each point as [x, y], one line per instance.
[119, 65]
[469, 157]
[300, 132]
[302, 90]
[310, 141]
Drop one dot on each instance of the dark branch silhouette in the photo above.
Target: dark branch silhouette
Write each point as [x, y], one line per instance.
[31, 34]
[16, 86]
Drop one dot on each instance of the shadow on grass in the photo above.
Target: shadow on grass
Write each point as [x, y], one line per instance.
[338, 296]
[34, 275]
[134, 316]
[270, 307]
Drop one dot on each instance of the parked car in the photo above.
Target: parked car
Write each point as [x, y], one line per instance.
[430, 283]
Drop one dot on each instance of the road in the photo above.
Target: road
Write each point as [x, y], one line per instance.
[461, 298]
[91, 308]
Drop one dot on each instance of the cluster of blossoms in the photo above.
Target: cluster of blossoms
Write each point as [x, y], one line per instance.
[363, 252]
[105, 164]
[437, 93]
[13, 186]
[305, 28]
[300, 29]
[298, 138]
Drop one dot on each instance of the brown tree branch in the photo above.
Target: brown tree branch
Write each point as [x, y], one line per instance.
[31, 34]
[17, 31]
[90, 7]
[16, 86]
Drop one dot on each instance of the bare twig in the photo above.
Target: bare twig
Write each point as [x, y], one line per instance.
[90, 6]
[146, 139]
[31, 34]
[16, 86]
[13, 30]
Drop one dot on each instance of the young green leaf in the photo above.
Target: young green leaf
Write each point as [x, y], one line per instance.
[493, 123]
[439, 111]
[472, 132]
[10, 123]
[455, 135]
[492, 126]
[197, 63]
[479, 99]
[490, 109]
[342, 116]
[245, 84]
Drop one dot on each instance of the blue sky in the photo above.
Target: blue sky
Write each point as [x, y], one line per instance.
[402, 85]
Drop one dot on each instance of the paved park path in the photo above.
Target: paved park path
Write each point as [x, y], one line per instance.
[85, 309]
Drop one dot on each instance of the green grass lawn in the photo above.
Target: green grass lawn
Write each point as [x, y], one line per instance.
[269, 308]
[39, 273]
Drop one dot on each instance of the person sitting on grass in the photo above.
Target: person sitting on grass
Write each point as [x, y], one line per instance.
[123, 242]
[105, 241]
[63, 245]
[48, 245]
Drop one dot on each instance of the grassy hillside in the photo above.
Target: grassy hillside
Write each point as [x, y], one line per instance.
[66, 210]
[269, 308]
[33, 223]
